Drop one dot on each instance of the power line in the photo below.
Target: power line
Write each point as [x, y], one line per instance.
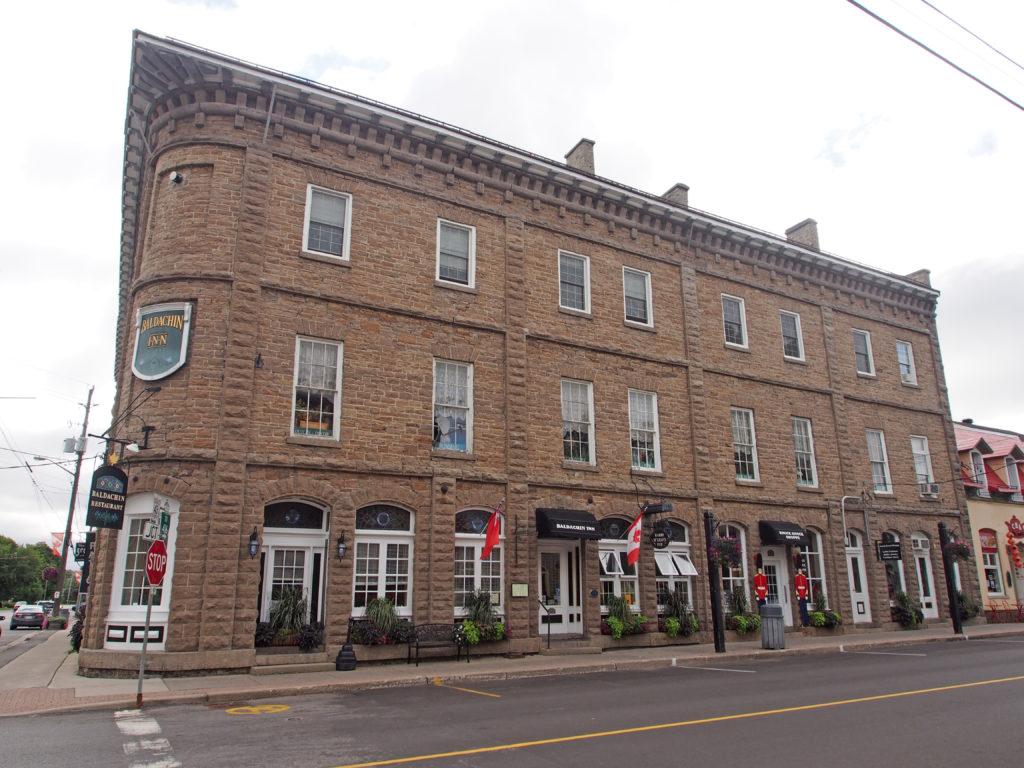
[936, 54]
[965, 29]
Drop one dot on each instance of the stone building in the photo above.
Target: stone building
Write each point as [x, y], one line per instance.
[369, 329]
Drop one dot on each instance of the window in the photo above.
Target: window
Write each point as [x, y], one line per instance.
[383, 558]
[643, 430]
[673, 566]
[879, 461]
[744, 447]
[578, 421]
[734, 319]
[803, 447]
[292, 556]
[473, 575]
[905, 357]
[326, 229]
[1012, 476]
[862, 351]
[456, 253]
[922, 464]
[636, 289]
[792, 338]
[815, 569]
[734, 579]
[990, 561]
[978, 473]
[573, 281]
[317, 388]
[893, 568]
[618, 577]
[453, 406]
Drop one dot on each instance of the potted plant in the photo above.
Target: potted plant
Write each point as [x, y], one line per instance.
[287, 615]
[480, 624]
[958, 550]
[906, 611]
[678, 619]
[741, 619]
[725, 551]
[381, 625]
[621, 620]
[821, 616]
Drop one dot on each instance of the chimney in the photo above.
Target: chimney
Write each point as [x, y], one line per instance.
[680, 193]
[804, 233]
[923, 276]
[581, 157]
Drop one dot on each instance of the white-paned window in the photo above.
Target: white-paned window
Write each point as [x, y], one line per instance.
[922, 463]
[578, 421]
[1012, 476]
[734, 579]
[453, 406]
[734, 320]
[803, 447]
[382, 561]
[573, 281]
[643, 430]
[618, 577]
[316, 403]
[990, 561]
[674, 570]
[456, 253]
[815, 565]
[905, 358]
[879, 461]
[978, 473]
[473, 575]
[636, 290]
[862, 352]
[792, 337]
[744, 444]
[326, 228]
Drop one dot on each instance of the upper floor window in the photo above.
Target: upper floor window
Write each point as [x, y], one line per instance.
[328, 215]
[1012, 476]
[862, 351]
[978, 473]
[792, 338]
[578, 421]
[456, 253]
[643, 430]
[905, 357]
[923, 464]
[879, 461]
[453, 406]
[744, 444]
[317, 388]
[803, 447]
[734, 319]
[636, 289]
[573, 281]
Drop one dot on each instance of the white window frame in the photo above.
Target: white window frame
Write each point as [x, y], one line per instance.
[798, 335]
[585, 262]
[1012, 476]
[643, 424]
[866, 352]
[367, 537]
[648, 320]
[879, 461]
[470, 281]
[734, 578]
[979, 473]
[741, 304]
[748, 442]
[991, 565]
[311, 190]
[803, 449]
[615, 571]
[474, 544]
[815, 566]
[451, 401]
[674, 568]
[588, 420]
[303, 384]
[922, 463]
[905, 363]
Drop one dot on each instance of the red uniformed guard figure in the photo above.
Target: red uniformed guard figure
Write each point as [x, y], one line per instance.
[761, 587]
[801, 595]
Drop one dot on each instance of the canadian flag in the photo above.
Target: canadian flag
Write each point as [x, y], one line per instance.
[493, 533]
[633, 537]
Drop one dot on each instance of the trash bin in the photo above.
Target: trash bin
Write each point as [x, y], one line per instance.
[773, 631]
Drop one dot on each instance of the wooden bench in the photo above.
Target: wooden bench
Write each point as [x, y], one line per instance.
[435, 636]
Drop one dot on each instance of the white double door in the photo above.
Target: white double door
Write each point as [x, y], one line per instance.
[559, 589]
[292, 561]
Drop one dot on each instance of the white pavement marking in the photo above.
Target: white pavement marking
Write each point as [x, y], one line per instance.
[885, 653]
[152, 752]
[722, 669]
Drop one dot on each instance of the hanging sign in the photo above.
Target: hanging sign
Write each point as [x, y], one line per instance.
[107, 498]
[890, 552]
[1015, 527]
[161, 340]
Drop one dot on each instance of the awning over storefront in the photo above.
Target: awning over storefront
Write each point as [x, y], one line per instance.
[566, 524]
[779, 533]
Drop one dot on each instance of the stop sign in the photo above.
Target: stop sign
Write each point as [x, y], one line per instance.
[156, 562]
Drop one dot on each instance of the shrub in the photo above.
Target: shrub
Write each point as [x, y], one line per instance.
[311, 636]
[264, 636]
[907, 612]
[816, 618]
[968, 610]
[672, 627]
[381, 614]
[288, 612]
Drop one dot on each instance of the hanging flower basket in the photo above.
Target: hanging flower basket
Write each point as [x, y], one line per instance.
[50, 573]
[959, 550]
[725, 551]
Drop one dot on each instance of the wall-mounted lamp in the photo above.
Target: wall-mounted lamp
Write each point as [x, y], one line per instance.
[258, 362]
[341, 546]
[444, 489]
[254, 543]
[176, 177]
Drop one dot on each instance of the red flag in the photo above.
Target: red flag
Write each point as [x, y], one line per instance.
[58, 542]
[633, 537]
[493, 533]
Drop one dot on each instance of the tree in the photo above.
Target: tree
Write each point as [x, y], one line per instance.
[20, 570]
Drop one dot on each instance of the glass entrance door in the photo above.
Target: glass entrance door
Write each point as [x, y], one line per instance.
[558, 588]
[926, 587]
[859, 600]
[778, 586]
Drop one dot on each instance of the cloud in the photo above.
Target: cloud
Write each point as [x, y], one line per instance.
[985, 145]
[316, 65]
[839, 142]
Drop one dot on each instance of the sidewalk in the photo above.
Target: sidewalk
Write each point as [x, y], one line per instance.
[45, 679]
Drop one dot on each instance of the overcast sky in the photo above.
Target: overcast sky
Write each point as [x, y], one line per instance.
[771, 112]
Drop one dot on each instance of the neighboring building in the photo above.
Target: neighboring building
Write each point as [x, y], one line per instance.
[391, 325]
[990, 461]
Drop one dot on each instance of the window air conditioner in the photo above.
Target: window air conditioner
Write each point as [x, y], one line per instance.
[929, 489]
[921, 544]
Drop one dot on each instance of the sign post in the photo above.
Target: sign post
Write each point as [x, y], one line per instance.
[156, 567]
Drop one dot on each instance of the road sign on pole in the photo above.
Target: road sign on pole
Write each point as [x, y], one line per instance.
[156, 563]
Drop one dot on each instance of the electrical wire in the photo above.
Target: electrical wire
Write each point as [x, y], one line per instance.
[965, 29]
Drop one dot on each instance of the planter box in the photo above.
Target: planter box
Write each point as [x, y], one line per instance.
[817, 631]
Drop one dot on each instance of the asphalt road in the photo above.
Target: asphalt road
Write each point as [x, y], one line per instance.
[939, 704]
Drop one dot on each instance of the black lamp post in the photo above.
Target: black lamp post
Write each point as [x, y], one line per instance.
[714, 584]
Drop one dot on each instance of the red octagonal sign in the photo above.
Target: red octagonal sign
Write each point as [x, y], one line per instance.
[156, 562]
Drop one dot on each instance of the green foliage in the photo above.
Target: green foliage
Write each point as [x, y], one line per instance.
[288, 612]
[672, 626]
[479, 608]
[737, 602]
[467, 633]
[968, 610]
[725, 552]
[311, 636]
[738, 623]
[819, 602]
[621, 620]
[380, 612]
[20, 569]
[816, 618]
[619, 608]
[741, 620]
[907, 610]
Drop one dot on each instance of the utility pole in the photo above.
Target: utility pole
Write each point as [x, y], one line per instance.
[80, 450]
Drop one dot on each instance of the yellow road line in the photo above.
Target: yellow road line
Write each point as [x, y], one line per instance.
[437, 682]
[663, 726]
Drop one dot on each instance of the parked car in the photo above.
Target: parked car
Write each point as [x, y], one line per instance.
[29, 616]
[47, 606]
